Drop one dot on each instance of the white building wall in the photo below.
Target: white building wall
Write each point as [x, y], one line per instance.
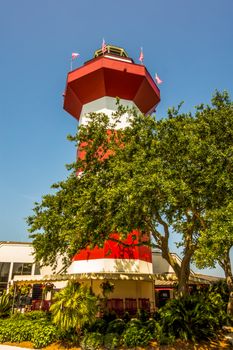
[17, 252]
[160, 265]
[110, 265]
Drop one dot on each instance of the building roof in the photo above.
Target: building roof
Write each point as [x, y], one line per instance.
[170, 279]
[159, 279]
[15, 242]
[84, 276]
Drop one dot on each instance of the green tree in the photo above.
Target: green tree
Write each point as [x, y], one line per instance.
[215, 244]
[159, 177]
[74, 306]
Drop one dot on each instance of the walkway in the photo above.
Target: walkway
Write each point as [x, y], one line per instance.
[8, 347]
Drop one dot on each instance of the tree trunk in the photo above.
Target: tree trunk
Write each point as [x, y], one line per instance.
[183, 287]
[230, 300]
[182, 270]
[226, 265]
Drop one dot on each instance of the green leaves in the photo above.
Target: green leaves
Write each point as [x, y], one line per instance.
[193, 317]
[159, 177]
[74, 306]
[5, 305]
[40, 331]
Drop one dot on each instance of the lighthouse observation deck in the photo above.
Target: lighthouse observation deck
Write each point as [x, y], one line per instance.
[114, 52]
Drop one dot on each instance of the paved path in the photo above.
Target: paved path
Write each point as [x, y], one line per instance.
[229, 337]
[8, 347]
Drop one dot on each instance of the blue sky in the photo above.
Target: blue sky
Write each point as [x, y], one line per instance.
[188, 43]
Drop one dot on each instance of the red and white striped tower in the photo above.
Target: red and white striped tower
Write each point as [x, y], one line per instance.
[94, 88]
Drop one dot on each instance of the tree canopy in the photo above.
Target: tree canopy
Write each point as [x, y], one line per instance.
[157, 176]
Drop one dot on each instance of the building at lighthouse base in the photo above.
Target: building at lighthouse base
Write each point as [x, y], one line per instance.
[132, 290]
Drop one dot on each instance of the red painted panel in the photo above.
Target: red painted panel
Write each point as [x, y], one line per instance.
[115, 250]
[72, 104]
[121, 84]
[88, 87]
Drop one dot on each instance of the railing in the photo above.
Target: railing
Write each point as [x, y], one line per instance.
[130, 305]
[43, 305]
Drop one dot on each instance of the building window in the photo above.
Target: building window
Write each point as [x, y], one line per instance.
[21, 269]
[4, 271]
[144, 304]
[131, 305]
[3, 287]
[116, 305]
[37, 269]
[37, 292]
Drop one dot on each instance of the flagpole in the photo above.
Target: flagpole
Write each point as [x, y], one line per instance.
[141, 57]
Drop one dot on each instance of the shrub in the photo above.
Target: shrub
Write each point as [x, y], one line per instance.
[92, 341]
[133, 336]
[74, 306]
[126, 317]
[15, 331]
[5, 305]
[43, 336]
[41, 333]
[70, 337]
[134, 322]
[99, 326]
[32, 315]
[116, 326]
[142, 315]
[193, 317]
[38, 315]
[159, 334]
[111, 341]
[109, 316]
[151, 325]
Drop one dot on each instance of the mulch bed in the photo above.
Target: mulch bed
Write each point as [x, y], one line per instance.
[220, 343]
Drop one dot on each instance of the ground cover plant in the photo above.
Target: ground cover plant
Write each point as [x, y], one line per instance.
[29, 327]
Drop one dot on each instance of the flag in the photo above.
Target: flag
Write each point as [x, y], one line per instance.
[141, 57]
[157, 79]
[104, 47]
[74, 55]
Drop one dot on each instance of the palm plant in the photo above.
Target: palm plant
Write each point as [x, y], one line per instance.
[195, 317]
[74, 306]
[5, 304]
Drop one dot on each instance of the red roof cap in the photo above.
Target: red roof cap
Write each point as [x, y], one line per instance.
[110, 76]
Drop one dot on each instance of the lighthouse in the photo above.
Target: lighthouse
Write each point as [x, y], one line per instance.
[94, 87]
